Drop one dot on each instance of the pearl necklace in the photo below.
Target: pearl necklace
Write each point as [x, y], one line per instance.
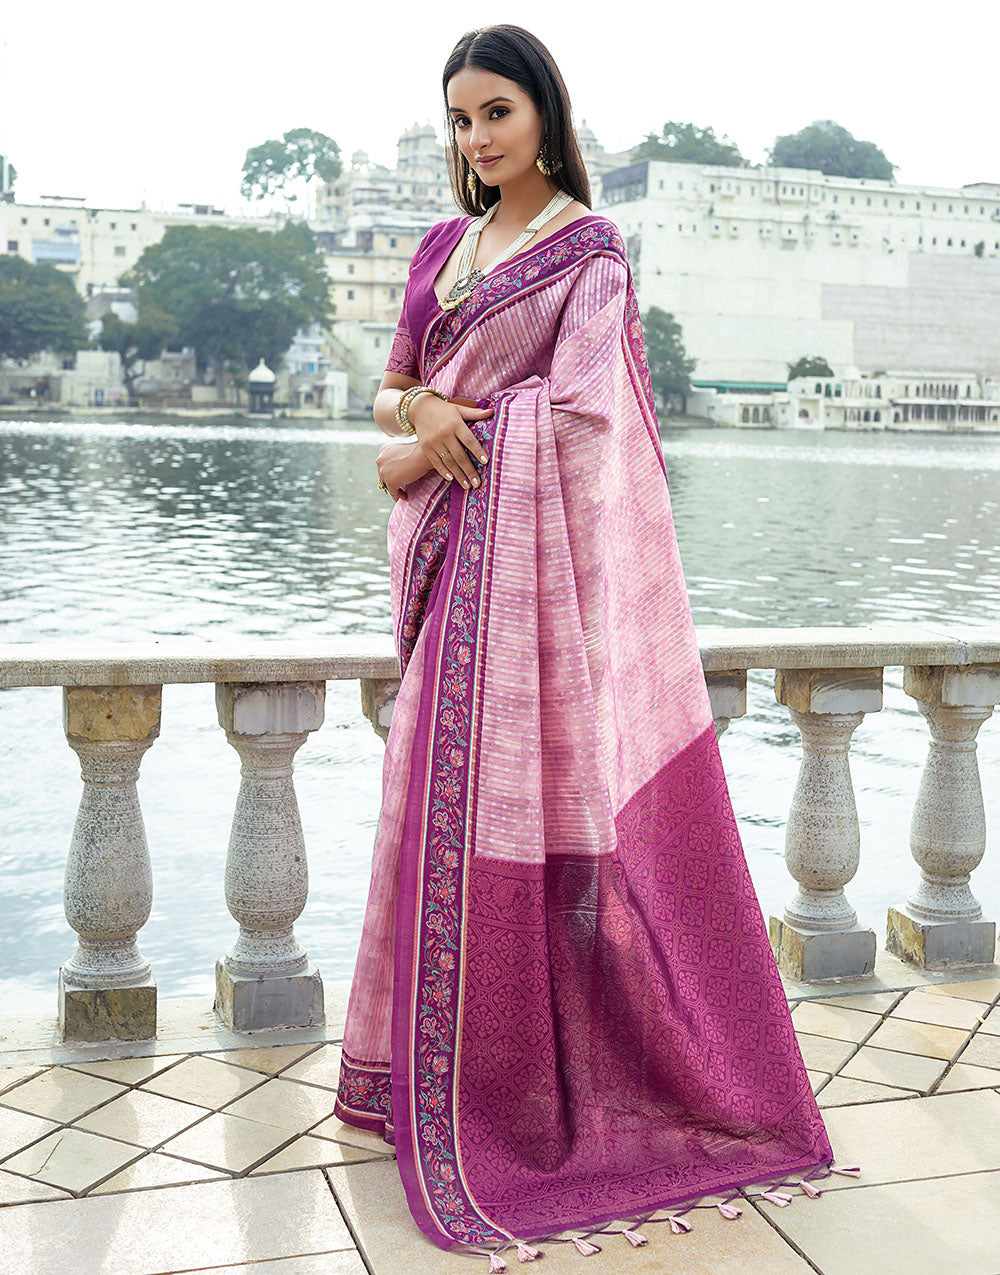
[468, 279]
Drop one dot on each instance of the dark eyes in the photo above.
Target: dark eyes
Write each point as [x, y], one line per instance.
[457, 118]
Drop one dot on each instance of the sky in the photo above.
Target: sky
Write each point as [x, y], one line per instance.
[123, 102]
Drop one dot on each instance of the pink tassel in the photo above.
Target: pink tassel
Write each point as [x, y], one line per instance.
[809, 1189]
[586, 1248]
[678, 1225]
[526, 1254]
[497, 1264]
[730, 1210]
[635, 1239]
[851, 1170]
[777, 1197]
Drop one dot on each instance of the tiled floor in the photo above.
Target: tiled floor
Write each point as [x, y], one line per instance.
[231, 1160]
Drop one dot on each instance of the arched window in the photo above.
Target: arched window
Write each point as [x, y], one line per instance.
[868, 415]
[756, 416]
[746, 416]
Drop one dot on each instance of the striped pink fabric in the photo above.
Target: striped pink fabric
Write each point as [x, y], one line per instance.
[565, 1008]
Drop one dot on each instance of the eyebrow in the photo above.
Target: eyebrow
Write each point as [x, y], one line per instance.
[485, 104]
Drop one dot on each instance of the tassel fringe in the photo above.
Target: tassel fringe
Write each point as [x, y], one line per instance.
[678, 1224]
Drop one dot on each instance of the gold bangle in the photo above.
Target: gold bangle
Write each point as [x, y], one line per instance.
[403, 406]
[383, 486]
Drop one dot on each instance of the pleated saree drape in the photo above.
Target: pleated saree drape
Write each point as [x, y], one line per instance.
[565, 1008]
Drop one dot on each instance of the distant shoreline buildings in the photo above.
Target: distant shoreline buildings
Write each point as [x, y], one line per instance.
[760, 266]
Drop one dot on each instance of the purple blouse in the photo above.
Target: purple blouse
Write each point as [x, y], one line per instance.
[420, 303]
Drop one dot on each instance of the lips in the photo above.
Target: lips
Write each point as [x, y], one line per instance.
[490, 161]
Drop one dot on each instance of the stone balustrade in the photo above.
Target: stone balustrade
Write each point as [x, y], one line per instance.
[271, 696]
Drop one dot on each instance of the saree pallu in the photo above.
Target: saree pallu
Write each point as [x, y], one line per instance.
[565, 1008]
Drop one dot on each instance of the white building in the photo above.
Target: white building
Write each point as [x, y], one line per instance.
[761, 266]
[947, 402]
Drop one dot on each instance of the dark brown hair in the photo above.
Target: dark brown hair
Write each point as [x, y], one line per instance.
[519, 56]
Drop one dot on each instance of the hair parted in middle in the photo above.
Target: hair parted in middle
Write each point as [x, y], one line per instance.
[517, 55]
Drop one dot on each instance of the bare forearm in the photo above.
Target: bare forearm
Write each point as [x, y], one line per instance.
[384, 412]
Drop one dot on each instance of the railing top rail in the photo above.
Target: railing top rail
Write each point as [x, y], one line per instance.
[176, 660]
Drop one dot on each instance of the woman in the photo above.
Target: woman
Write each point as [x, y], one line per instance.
[565, 1010]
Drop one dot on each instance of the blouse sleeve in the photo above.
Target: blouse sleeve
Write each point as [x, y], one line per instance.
[403, 357]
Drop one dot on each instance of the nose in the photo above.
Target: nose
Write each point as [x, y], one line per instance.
[480, 139]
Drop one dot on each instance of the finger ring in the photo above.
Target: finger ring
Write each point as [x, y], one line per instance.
[444, 455]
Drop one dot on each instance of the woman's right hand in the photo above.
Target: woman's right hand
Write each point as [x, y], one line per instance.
[447, 442]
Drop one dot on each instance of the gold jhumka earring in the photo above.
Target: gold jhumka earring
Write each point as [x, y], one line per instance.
[470, 183]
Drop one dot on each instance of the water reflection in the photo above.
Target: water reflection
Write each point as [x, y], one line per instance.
[131, 531]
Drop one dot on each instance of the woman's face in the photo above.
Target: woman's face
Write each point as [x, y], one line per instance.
[494, 116]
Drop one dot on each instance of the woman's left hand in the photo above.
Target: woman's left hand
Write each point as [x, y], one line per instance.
[400, 464]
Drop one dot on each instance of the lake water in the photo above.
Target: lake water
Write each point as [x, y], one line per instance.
[138, 531]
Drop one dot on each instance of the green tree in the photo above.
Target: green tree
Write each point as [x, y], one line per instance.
[39, 310]
[135, 343]
[689, 144]
[830, 148]
[234, 293]
[669, 367]
[8, 176]
[809, 365]
[298, 158]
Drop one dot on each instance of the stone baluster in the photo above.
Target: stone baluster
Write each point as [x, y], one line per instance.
[727, 692]
[941, 923]
[378, 697]
[106, 988]
[819, 936]
[266, 979]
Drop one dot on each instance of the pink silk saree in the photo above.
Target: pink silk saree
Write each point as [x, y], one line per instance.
[565, 1009]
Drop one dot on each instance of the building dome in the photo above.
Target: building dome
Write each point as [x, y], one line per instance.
[261, 375]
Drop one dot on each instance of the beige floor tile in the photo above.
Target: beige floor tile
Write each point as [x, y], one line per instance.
[946, 1226]
[178, 1228]
[342, 1263]
[817, 1078]
[204, 1081]
[73, 1159]
[143, 1118]
[871, 1002]
[918, 1038]
[891, 1067]
[322, 1067]
[129, 1071]
[842, 1090]
[834, 1021]
[372, 1198]
[946, 1011]
[990, 1023]
[977, 989]
[10, 1076]
[964, 1076]
[284, 1103]
[227, 1142]
[312, 1153]
[15, 1190]
[18, 1128]
[335, 1129]
[156, 1170]
[982, 1050]
[61, 1094]
[915, 1138]
[821, 1053]
[269, 1060]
